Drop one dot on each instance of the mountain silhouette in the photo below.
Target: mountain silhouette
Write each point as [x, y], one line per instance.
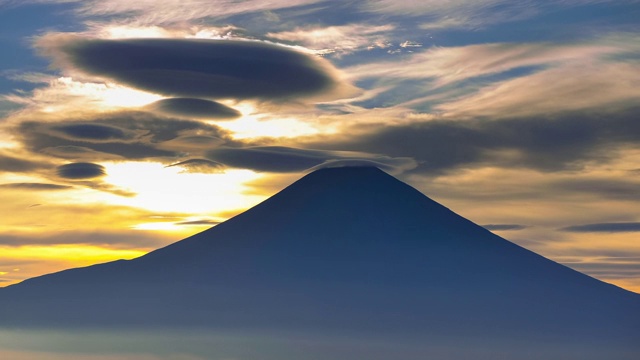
[348, 250]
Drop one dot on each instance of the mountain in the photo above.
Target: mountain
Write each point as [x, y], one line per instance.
[350, 251]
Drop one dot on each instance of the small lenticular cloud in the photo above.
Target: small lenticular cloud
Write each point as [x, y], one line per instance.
[80, 171]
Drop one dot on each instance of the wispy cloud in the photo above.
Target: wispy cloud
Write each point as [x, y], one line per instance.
[341, 39]
[202, 166]
[553, 90]
[451, 64]
[172, 11]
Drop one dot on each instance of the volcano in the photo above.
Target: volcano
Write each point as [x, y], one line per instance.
[351, 251]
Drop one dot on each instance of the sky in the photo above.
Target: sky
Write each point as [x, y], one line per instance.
[128, 125]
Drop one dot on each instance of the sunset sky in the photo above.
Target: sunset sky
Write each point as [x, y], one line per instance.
[127, 125]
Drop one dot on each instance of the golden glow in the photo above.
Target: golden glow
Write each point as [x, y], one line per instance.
[109, 95]
[159, 226]
[78, 254]
[42, 259]
[169, 189]
[128, 31]
[66, 94]
[253, 126]
[147, 32]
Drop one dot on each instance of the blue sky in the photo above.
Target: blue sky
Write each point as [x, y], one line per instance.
[130, 124]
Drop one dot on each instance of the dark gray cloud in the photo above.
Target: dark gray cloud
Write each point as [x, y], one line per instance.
[80, 171]
[78, 153]
[199, 222]
[144, 136]
[91, 132]
[13, 164]
[547, 143]
[504, 227]
[605, 227]
[35, 186]
[195, 108]
[193, 143]
[202, 166]
[197, 68]
[288, 159]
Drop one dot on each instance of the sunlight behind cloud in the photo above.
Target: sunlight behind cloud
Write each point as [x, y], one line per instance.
[69, 94]
[161, 188]
[257, 126]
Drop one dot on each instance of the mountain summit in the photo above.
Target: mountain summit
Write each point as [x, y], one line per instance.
[346, 250]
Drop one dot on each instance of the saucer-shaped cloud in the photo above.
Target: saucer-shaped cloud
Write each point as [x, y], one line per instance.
[198, 68]
[91, 132]
[80, 170]
[288, 159]
[194, 108]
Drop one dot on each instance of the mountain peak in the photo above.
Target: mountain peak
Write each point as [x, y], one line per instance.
[342, 249]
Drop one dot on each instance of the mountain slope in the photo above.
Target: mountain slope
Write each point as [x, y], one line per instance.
[347, 250]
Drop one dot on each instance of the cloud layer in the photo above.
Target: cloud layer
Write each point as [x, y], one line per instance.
[194, 108]
[218, 69]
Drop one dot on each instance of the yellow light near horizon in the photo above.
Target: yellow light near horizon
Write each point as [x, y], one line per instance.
[43, 259]
[171, 189]
[77, 254]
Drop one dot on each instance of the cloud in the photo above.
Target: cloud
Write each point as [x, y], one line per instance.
[288, 159]
[194, 108]
[144, 135]
[91, 132]
[35, 186]
[395, 167]
[341, 39]
[219, 69]
[545, 142]
[553, 90]
[446, 65]
[504, 79]
[80, 171]
[78, 153]
[201, 166]
[13, 164]
[192, 143]
[615, 186]
[177, 11]
[504, 227]
[604, 227]
[199, 222]
[474, 13]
